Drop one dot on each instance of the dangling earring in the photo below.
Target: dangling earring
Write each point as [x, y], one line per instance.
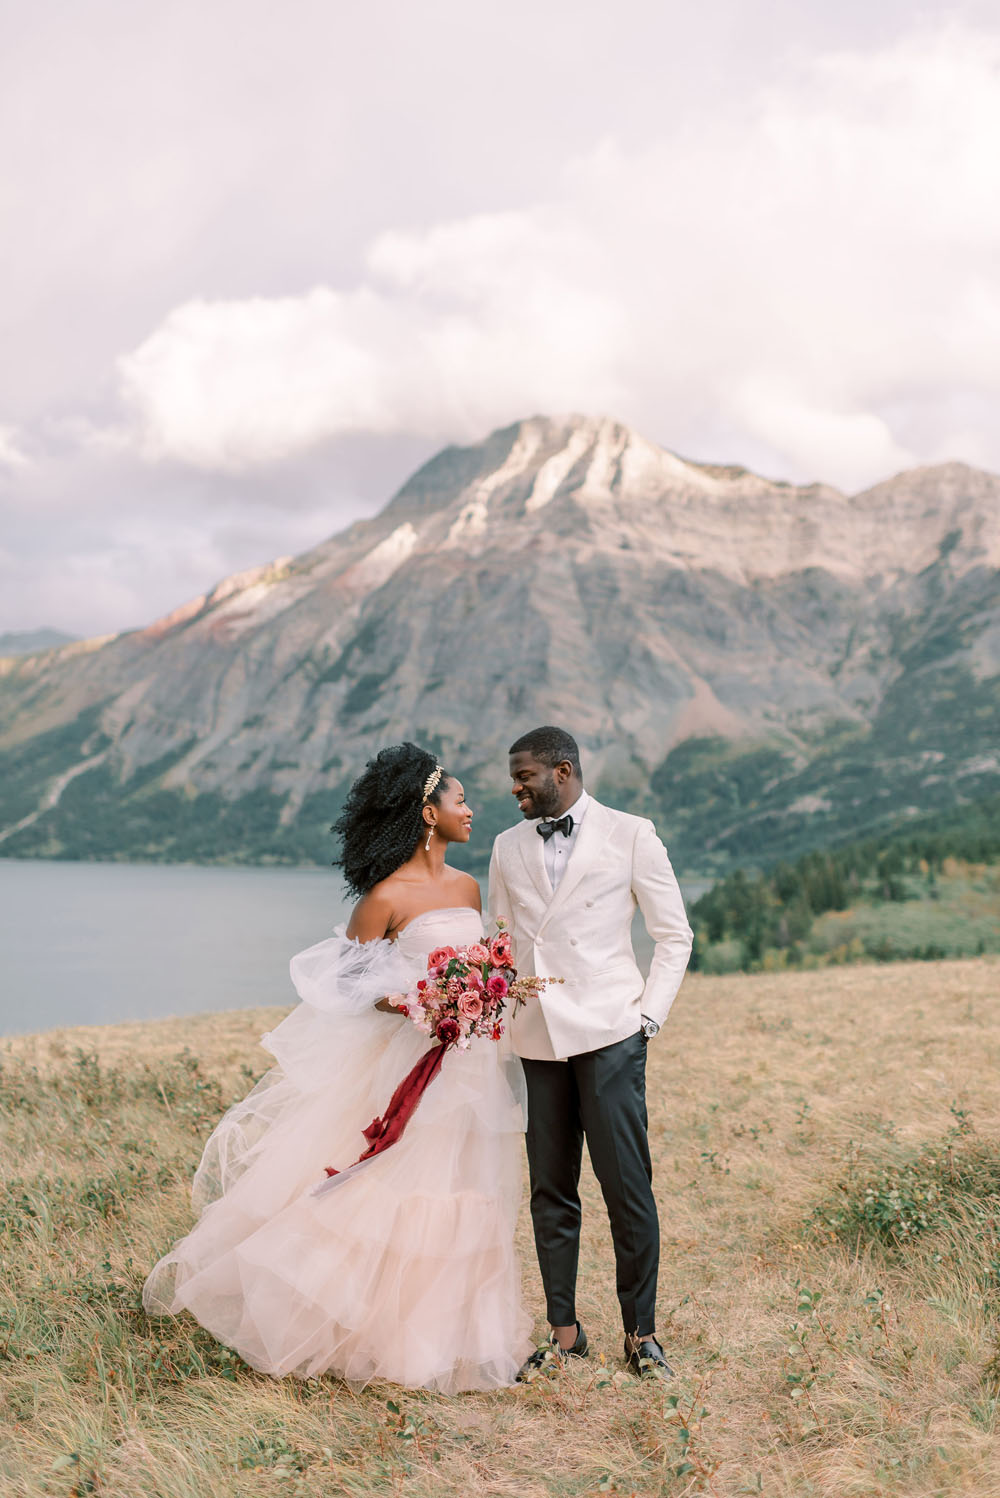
[427, 845]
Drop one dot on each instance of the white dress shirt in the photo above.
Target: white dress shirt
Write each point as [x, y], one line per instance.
[558, 847]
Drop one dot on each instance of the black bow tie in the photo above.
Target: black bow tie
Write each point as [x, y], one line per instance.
[561, 824]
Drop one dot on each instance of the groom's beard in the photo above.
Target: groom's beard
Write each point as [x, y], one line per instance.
[541, 801]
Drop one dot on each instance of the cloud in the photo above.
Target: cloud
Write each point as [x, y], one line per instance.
[853, 445]
[76, 557]
[794, 285]
[11, 455]
[474, 320]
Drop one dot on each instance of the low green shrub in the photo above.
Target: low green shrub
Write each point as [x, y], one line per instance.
[955, 1179]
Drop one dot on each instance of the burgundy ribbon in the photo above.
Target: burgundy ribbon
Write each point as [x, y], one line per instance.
[383, 1132]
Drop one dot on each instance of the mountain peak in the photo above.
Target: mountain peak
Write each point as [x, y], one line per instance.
[588, 482]
[952, 476]
[526, 465]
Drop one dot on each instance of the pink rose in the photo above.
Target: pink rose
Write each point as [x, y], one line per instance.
[440, 957]
[473, 979]
[478, 953]
[454, 988]
[470, 1005]
[500, 949]
[496, 987]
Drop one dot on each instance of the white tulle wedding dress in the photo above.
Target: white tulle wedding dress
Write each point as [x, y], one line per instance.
[403, 1270]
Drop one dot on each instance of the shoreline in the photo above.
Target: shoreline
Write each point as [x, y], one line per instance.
[122, 1036]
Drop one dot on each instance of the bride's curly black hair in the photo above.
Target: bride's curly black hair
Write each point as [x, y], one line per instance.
[382, 820]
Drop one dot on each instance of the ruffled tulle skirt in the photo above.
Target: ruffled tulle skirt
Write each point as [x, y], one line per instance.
[404, 1270]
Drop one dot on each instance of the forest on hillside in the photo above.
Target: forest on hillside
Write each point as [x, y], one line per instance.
[944, 864]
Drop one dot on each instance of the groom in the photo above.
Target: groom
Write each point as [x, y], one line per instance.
[567, 882]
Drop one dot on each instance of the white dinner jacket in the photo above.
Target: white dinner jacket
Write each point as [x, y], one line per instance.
[582, 932]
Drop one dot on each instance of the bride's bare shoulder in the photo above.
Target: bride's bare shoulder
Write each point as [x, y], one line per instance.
[373, 916]
[390, 904]
[468, 887]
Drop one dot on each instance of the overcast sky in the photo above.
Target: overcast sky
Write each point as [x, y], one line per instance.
[258, 261]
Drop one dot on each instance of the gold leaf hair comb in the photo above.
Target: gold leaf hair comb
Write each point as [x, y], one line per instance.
[432, 780]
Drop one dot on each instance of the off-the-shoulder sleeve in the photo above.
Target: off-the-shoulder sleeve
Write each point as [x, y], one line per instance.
[343, 976]
[339, 981]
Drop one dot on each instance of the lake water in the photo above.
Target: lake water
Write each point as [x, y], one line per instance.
[95, 943]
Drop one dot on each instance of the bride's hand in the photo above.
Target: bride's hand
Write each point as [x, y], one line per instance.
[384, 1007]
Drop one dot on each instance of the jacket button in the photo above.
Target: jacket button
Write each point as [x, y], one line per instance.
[572, 941]
[589, 904]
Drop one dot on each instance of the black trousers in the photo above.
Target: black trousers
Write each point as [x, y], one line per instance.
[600, 1096]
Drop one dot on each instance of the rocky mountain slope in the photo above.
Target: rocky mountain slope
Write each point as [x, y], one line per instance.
[760, 666]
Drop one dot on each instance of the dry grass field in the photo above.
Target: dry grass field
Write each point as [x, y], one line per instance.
[827, 1155]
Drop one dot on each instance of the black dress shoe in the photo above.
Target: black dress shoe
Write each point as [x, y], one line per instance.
[646, 1359]
[549, 1355]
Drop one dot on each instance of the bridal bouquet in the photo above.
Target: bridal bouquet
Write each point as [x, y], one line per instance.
[466, 992]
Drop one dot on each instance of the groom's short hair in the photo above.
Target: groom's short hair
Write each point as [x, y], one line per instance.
[550, 746]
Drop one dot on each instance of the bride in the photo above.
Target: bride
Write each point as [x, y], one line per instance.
[405, 1269]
